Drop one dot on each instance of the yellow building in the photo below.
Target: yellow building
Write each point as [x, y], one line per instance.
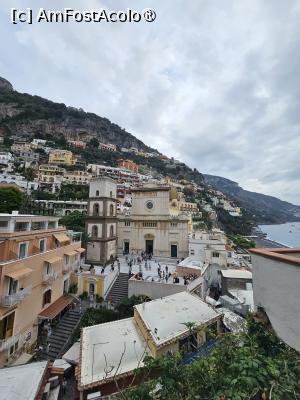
[177, 323]
[61, 157]
[37, 257]
[77, 177]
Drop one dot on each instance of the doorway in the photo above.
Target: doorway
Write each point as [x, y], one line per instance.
[149, 246]
[126, 247]
[91, 288]
[174, 250]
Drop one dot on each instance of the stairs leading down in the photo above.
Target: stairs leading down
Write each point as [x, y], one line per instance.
[61, 334]
[119, 289]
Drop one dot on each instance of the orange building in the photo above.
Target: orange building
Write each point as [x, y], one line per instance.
[128, 164]
[36, 259]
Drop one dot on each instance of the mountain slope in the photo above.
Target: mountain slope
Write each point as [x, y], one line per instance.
[264, 208]
[23, 113]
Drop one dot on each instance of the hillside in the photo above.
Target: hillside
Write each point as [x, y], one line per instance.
[265, 209]
[33, 116]
[21, 113]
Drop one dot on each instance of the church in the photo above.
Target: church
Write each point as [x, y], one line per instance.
[151, 227]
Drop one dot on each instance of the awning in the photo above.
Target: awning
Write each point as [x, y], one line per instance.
[53, 260]
[80, 250]
[61, 237]
[55, 308]
[71, 253]
[20, 273]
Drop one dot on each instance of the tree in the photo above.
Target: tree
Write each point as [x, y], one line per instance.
[94, 143]
[254, 365]
[11, 199]
[74, 221]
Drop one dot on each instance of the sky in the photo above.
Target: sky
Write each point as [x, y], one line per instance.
[215, 84]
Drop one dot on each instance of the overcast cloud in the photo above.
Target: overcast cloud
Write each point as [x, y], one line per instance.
[213, 83]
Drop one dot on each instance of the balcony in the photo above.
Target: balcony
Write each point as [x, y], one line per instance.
[48, 279]
[11, 300]
[66, 269]
[5, 344]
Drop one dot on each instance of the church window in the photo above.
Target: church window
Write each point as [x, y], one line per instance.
[111, 209]
[127, 223]
[149, 205]
[111, 230]
[149, 224]
[97, 193]
[94, 231]
[96, 209]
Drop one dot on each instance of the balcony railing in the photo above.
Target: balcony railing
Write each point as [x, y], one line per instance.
[48, 279]
[8, 342]
[15, 298]
[66, 269]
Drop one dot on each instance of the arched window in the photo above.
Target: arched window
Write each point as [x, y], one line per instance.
[111, 230]
[96, 209]
[111, 194]
[94, 231]
[97, 193]
[111, 209]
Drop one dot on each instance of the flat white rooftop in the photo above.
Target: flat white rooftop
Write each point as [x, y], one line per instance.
[236, 273]
[193, 262]
[165, 317]
[22, 382]
[112, 348]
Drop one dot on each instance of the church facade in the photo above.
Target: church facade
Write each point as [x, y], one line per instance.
[151, 227]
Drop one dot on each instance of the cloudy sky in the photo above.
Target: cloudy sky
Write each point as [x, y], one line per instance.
[213, 83]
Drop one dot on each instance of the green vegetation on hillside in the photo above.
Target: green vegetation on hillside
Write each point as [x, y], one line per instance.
[11, 199]
[242, 225]
[94, 316]
[253, 366]
[241, 242]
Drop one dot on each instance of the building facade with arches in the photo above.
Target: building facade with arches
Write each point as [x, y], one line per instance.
[151, 227]
[101, 222]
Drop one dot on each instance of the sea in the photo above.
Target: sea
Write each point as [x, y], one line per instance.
[287, 234]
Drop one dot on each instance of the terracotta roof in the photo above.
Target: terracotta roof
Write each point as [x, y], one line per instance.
[279, 254]
[80, 250]
[55, 308]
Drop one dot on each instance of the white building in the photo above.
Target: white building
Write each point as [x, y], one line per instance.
[61, 207]
[20, 181]
[276, 277]
[112, 351]
[6, 158]
[151, 227]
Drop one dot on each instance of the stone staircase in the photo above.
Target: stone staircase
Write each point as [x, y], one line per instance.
[119, 289]
[61, 334]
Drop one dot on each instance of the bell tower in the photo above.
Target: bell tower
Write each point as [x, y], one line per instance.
[101, 222]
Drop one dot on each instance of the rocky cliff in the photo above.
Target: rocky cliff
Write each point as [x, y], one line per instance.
[34, 115]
